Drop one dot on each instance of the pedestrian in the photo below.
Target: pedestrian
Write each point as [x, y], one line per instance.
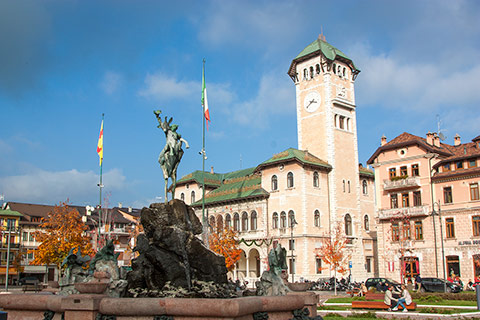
[418, 282]
[406, 298]
[388, 299]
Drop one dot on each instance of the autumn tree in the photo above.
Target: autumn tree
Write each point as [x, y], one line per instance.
[225, 242]
[333, 252]
[63, 229]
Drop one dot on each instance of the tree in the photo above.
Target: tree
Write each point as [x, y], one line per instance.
[63, 229]
[334, 253]
[225, 242]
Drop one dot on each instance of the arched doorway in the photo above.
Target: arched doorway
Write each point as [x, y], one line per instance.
[254, 263]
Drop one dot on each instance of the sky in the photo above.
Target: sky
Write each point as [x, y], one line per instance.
[65, 63]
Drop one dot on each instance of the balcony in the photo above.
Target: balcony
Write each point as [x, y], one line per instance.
[12, 245]
[419, 211]
[410, 182]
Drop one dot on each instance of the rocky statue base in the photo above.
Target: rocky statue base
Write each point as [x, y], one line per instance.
[173, 261]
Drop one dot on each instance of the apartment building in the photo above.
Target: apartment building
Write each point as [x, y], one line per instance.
[427, 206]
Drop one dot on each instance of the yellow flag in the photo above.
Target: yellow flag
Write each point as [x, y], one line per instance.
[100, 145]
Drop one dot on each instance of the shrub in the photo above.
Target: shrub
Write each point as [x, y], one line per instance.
[467, 296]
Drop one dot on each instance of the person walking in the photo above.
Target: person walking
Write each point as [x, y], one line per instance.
[406, 298]
[418, 282]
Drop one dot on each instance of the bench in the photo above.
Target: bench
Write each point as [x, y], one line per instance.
[378, 305]
[32, 285]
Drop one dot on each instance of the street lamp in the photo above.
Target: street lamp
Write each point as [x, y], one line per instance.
[434, 213]
[293, 222]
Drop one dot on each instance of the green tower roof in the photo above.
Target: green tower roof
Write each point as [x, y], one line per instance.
[320, 46]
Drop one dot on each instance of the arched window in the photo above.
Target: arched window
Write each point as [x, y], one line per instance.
[244, 221]
[343, 185]
[212, 222]
[193, 196]
[366, 223]
[365, 187]
[274, 182]
[283, 220]
[317, 68]
[182, 196]
[291, 219]
[275, 220]
[316, 182]
[311, 73]
[334, 68]
[219, 223]
[228, 221]
[316, 218]
[290, 180]
[305, 74]
[348, 225]
[344, 72]
[348, 186]
[236, 222]
[253, 220]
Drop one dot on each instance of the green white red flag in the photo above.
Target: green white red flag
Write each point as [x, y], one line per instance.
[204, 97]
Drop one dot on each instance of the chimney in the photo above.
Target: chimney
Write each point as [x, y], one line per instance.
[120, 205]
[436, 140]
[430, 138]
[211, 170]
[129, 209]
[457, 140]
[383, 140]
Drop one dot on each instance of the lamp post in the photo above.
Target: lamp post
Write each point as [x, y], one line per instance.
[434, 213]
[293, 222]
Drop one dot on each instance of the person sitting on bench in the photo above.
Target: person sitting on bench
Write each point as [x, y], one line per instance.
[389, 300]
[405, 298]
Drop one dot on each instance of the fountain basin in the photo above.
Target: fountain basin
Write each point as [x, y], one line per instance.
[91, 287]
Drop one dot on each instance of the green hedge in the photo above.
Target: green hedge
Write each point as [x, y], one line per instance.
[439, 296]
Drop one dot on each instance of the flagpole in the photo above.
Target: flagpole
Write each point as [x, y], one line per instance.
[204, 222]
[100, 186]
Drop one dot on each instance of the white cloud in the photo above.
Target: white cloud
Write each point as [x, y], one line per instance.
[275, 97]
[51, 187]
[391, 83]
[111, 82]
[160, 86]
[243, 23]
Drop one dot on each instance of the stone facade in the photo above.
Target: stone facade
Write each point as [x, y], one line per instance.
[320, 184]
[413, 176]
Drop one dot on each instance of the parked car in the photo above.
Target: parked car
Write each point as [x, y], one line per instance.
[379, 283]
[437, 285]
[30, 279]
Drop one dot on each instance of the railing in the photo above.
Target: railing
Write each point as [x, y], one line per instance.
[401, 212]
[12, 245]
[401, 183]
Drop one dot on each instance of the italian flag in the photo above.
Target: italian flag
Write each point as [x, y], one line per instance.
[100, 144]
[204, 96]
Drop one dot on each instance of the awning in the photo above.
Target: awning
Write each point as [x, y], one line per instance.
[35, 269]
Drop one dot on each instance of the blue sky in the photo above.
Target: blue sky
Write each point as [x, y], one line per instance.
[64, 63]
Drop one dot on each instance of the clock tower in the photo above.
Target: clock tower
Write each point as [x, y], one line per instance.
[324, 79]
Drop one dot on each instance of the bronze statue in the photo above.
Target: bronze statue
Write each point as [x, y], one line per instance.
[172, 152]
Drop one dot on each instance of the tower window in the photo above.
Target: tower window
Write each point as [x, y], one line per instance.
[311, 73]
[274, 182]
[193, 196]
[366, 223]
[290, 180]
[317, 68]
[342, 122]
[334, 68]
[365, 187]
[305, 74]
[316, 218]
[348, 225]
[315, 180]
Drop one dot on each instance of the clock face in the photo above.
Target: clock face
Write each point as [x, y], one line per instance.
[312, 101]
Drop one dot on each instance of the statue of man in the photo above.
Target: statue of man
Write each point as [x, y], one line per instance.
[277, 258]
[172, 152]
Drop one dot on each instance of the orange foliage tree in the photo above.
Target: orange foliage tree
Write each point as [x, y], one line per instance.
[334, 253]
[63, 229]
[225, 242]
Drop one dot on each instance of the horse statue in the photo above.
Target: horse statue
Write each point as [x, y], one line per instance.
[172, 153]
